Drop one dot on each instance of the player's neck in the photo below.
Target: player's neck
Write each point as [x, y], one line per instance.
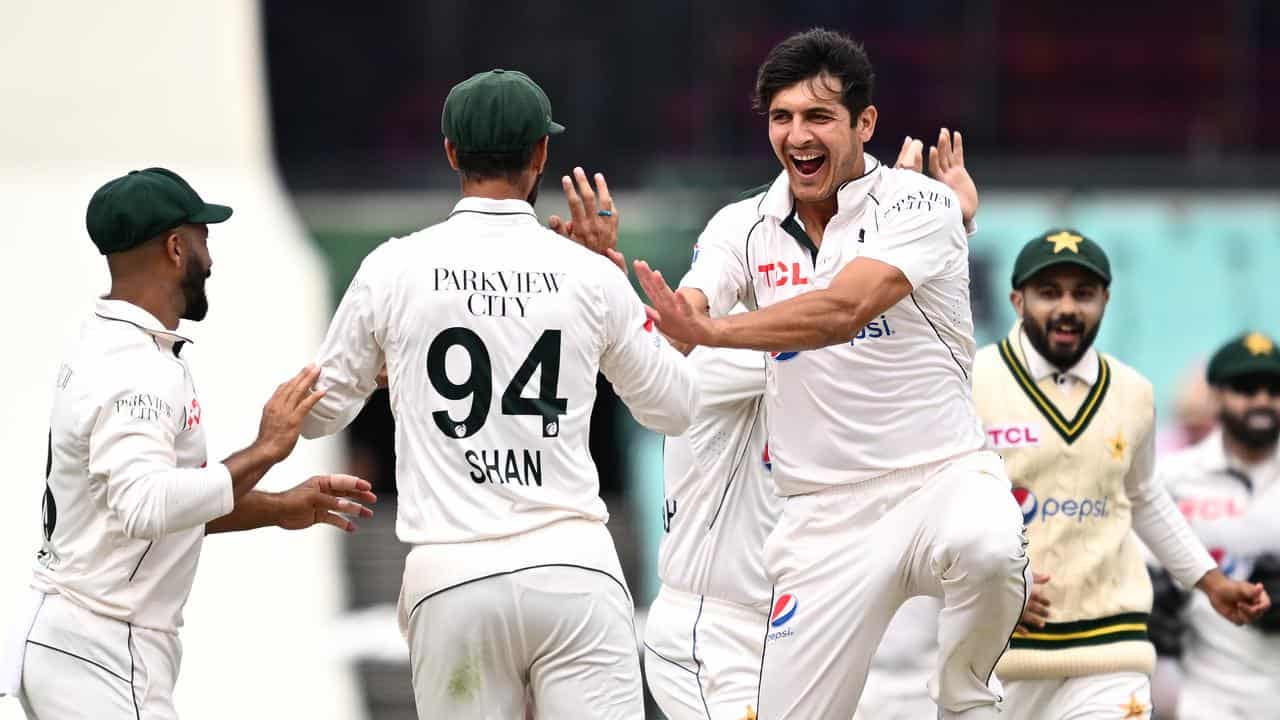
[149, 297]
[494, 189]
[814, 216]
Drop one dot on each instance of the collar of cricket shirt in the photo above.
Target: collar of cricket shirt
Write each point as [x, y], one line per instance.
[127, 312]
[489, 206]
[778, 203]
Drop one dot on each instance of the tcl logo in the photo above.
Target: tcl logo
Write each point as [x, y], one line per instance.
[1209, 508]
[779, 274]
[1011, 436]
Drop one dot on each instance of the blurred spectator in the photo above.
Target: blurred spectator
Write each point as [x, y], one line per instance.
[1195, 414]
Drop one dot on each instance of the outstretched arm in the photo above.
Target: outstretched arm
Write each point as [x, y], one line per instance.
[321, 499]
[862, 291]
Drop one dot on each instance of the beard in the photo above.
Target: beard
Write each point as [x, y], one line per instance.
[1256, 429]
[1061, 358]
[197, 303]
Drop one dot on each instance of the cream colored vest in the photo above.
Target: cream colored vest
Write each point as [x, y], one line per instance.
[1067, 453]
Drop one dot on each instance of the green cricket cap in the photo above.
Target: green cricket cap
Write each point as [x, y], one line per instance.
[1060, 247]
[134, 208]
[499, 111]
[1249, 354]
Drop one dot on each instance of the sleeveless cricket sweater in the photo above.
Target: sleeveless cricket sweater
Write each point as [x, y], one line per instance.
[1067, 451]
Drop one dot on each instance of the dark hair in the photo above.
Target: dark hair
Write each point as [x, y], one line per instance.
[809, 54]
[490, 166]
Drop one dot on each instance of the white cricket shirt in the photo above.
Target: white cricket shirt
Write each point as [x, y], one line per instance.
[720, 502]
[128, 490]
[896, 395]
[1220, 497]
[492, 329]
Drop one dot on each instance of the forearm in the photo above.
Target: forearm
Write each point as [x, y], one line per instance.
[247, 467]
[256, 509]
[812, 320]
[1158, 522]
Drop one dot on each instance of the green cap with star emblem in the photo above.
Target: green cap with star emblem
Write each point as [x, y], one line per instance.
[499, 111]
[1060, 247]
[1250, 354]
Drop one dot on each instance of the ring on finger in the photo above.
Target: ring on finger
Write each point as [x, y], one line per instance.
[605, 213]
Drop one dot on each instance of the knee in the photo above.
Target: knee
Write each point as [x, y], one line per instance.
[986, 550]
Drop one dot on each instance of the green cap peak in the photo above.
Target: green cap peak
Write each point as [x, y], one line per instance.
[499, 111]
[1060, 247]
[134, 208]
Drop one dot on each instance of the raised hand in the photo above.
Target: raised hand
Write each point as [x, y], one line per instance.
[283, 414]
[1037, 612]
[946, 165]
[673, 314]
[593, 219]
[324, 499]
[911, 157]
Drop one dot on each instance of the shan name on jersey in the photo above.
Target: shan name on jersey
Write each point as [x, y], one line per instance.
[503, 467]
[497, 293]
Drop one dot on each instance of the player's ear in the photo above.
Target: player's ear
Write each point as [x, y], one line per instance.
[866, 124]
[451, 152]
[1016, 299]
[175, 247]
[539, 159]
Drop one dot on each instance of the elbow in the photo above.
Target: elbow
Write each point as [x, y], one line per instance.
[138, 523]
[681, 416]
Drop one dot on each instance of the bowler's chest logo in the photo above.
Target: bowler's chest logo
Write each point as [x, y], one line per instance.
[1013, 436]
[781, 274]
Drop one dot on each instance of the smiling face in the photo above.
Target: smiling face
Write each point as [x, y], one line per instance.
[1061, 309]
[815, 138]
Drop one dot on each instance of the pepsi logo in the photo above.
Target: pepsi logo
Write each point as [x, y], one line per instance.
[768, 462]
[783, 356]
[783, 610]
[1027, 503]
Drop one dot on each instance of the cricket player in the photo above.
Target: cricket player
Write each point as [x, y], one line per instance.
[860, 274]
[702, 634]
[1228, 488]
[492, 329]
[1076, 429]
[129, 492]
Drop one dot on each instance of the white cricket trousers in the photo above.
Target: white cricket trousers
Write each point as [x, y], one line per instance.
[844, 559]
[566, 633]
[702, 655]
[82, 665]
[1108, 696]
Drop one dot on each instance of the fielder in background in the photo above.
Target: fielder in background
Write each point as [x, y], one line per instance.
[129, 492]
[492, 329]
[1077, 431]
[1228, 487]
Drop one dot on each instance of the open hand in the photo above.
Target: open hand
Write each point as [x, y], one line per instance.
[324, 499]
[946, 165]
[284, 412]
[673, 314]
[593, 221]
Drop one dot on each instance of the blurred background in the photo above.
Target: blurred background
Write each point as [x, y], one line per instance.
[1155, 131]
